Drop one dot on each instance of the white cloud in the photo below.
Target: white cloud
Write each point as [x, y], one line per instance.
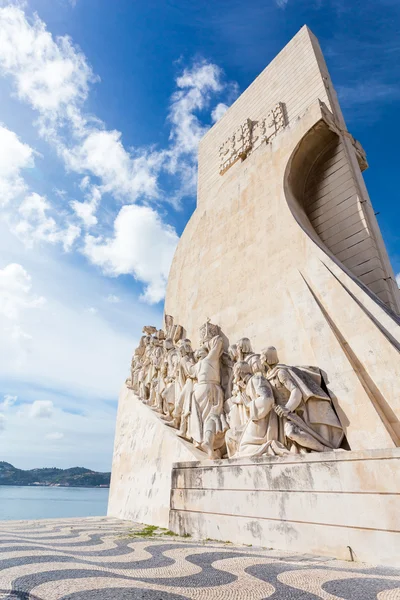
[86, 211]
[56, 435]
[52, 75]
[86, 440]
[102, 154]
[16, 299]
[113, 299]
[195, 87]
[35, 225]
[142, 246]
[41, 409]
[398, 279]
[14, 156]
[281, 3]
[2, 422]
[92, 310]
[15, 292]
[8, 401]
[218, 111]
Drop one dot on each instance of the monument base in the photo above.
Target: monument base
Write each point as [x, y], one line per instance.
[340, 504]
[144, 452]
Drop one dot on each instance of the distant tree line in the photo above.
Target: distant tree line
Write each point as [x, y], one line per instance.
[74, 477]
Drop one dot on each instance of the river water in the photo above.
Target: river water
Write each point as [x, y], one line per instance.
[35, 502]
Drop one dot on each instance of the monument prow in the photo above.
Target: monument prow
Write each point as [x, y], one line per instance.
[283, 247]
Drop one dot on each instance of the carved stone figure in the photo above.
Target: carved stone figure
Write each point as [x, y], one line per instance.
[236, 407]
[306, 419]
[256, 437]
[166, 374]
[145, 365]
[136, 366]
[187, 379]
[206, 421]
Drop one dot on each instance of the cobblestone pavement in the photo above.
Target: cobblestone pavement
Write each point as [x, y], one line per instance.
[104, 559]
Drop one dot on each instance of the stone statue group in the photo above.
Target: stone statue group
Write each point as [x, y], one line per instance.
[233, 403]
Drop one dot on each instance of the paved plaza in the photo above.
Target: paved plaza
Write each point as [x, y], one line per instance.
[106, 559]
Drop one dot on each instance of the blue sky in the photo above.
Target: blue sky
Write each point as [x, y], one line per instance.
[102, 107]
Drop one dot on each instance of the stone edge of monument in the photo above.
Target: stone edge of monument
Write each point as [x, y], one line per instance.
[144, 451]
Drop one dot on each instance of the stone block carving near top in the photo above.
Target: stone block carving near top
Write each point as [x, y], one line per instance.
[249, 136]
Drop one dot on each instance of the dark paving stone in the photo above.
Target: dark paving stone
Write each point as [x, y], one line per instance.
[359, 589]
[16, 595]
[124, 594]
[270, 574]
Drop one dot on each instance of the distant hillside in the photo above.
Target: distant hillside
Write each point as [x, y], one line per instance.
[74, 477]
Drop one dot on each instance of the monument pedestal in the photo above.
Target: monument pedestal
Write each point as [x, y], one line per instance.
[340, 504]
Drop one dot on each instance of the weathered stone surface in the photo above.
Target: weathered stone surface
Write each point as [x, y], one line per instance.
[325, 504]
[144, 452]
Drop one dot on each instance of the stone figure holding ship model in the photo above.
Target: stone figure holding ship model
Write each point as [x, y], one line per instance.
[235, 403]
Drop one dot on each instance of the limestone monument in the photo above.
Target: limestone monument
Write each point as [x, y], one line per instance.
[266, 411]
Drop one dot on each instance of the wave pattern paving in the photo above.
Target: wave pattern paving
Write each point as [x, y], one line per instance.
[99, 559]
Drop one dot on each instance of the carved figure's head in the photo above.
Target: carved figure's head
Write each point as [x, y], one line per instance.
[241, 370]
[201, 353]
[244, 346]
[168, 344]
[185, 347]
[269, 356]
[254, 363]
[232, 351]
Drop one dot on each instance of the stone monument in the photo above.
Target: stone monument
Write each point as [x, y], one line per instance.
[216, 435]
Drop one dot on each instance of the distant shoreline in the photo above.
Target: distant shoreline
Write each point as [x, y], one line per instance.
[53, 477]
[42, 485]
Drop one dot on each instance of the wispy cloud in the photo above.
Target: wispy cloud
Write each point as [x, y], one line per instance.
[365, 92]
[113, 299]
[8, 401]
[41, 409]
[15, 156]
[16, 298]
